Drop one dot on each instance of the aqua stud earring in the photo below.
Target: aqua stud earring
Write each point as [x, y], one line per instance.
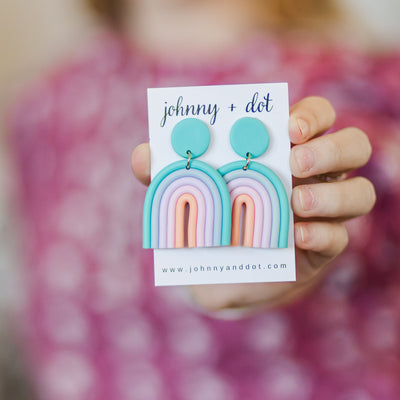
[256, 190]
[190, 185]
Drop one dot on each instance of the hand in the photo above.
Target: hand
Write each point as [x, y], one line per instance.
[322, 200]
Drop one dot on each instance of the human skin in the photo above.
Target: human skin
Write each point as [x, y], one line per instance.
[320, 208]
[182, 29]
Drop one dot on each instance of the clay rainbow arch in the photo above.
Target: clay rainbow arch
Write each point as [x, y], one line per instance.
[262, 193]
[174, 188]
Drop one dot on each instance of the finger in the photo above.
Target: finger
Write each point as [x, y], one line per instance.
[344, 199]
[344, 150]
[141, 163]
[310, 117]
[326, 239]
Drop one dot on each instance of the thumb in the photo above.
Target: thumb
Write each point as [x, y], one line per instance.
[140, 161]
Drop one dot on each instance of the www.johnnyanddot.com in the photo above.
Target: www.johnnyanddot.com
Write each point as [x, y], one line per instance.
[223, 268]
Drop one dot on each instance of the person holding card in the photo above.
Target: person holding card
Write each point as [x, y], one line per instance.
[98, 329]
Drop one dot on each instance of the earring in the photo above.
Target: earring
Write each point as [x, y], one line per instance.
[255, 189]
[188, 202]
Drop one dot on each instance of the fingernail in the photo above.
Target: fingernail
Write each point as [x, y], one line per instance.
[303, 234]
[303, 127]
[305, 158]
[298, 129]
[307, 199]
[293, 126]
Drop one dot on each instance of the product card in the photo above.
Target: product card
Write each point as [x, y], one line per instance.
[218, 207]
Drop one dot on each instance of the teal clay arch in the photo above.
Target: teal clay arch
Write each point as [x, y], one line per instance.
[218, 183]
[267, 173]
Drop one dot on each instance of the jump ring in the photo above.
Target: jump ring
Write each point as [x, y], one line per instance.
[189, 158]
[247, 162]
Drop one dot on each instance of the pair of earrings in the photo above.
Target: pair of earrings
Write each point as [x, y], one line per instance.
[190, 204]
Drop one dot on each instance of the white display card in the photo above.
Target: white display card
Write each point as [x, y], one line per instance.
[219, 107]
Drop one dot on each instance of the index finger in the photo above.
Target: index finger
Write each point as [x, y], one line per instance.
[310, 117]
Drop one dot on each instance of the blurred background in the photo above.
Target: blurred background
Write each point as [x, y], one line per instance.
[33, 36]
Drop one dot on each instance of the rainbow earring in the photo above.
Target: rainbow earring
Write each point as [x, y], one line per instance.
[188, 188]
[255, 189]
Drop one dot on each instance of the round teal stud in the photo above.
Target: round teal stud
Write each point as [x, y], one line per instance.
[190, 135]
[249, 135]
